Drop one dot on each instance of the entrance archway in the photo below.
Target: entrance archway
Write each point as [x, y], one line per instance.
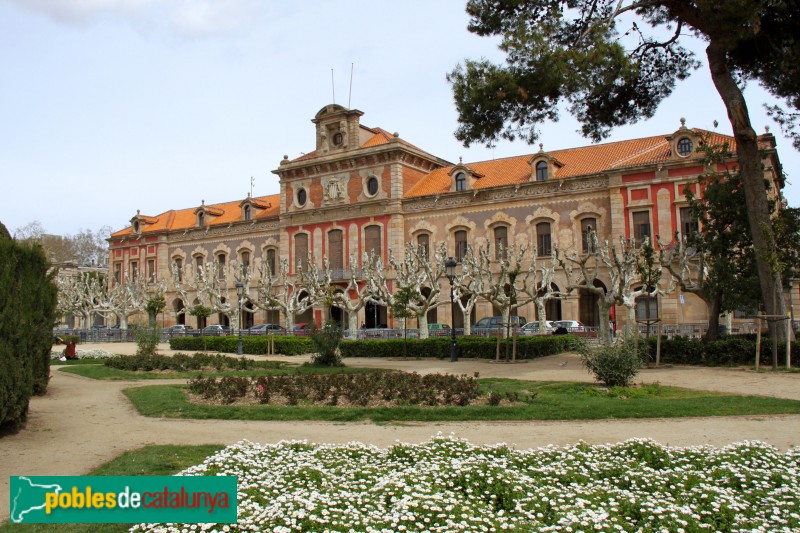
[588, 313]
[180, 315]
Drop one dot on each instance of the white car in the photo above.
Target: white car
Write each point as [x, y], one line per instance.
[573, 326]
[532, 328]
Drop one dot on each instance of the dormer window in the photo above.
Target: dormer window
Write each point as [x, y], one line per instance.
[541, 171]
[136, 227]
[461, 182]
[201, 219]
[247, 212]
[685, 146]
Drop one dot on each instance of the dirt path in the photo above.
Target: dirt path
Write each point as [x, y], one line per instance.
[82, 423]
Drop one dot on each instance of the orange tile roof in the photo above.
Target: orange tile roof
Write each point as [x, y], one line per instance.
[582, 161]
[174, 220]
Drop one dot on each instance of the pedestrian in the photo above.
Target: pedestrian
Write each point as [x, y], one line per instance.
[69, 352]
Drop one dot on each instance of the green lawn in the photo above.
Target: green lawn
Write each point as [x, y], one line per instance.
[100, 371]
[552, 401]
[148, 461]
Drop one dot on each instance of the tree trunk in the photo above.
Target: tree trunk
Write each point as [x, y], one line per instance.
[422, 320]
[758, 214]
[714, 306]
[604, 330]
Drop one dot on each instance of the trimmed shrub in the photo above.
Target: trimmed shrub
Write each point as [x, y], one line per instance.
[326, 342]
[27, 315]
[733, 350]
[615, 365]
[284, 344]
[147, 339]
[469, 347]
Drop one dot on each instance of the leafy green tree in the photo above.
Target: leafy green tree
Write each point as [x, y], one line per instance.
[154, 305]
[401, 308]
[719, 266]
[201, 312]
[614, 61]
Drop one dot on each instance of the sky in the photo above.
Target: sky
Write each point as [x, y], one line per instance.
[112, 106]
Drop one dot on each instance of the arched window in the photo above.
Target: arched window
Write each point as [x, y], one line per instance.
[461, 181]
[198, 261]
[587, 226]
[246, 260]
[247, 212]
[460, 237]
[201, 219]
[301, 251]
[221, 266]
[423, 244]
[541, 171]
[179, 268]
[543, 239]
[500, 242]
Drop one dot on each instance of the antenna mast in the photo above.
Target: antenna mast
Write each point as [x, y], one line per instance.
[350, 96]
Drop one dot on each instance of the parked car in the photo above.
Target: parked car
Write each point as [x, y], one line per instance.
[488, 325]
[532, 328]
[302, 329]
[438, 330]
[264, 329]
[214, 330]
[573, 326]
[178, 330]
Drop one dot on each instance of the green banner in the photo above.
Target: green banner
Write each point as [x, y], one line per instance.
[122, 499]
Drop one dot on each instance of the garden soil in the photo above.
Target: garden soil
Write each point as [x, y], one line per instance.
[82, 423]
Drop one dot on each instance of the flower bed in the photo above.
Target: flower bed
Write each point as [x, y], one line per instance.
[447, 484]
[95, 353]
[374, 389]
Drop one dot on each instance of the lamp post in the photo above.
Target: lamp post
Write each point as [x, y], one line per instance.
[240, 292]
[450, 272]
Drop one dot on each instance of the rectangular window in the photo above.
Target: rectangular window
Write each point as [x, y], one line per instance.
[500, 242]
[134, 270]
[646, 308]
[544, 243]
[372, 238]
[179, 268]
[689, 224]
[588, 225]
[199, 262]
[246, 260]
[271, 260]
[118, 272]
[460, 244]
[301, 251]
[335, 250]
[151, 270]
[641, 227]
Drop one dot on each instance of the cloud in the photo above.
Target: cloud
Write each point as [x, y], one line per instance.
[185, 18]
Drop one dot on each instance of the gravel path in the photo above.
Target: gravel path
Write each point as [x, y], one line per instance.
[83, 423]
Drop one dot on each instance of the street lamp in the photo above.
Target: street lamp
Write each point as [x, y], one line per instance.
[240, 292]
[450, 272]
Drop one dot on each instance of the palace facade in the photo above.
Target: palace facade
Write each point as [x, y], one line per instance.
[364, 189]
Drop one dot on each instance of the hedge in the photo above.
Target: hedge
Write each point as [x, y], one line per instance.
[477, 347]
[27, 315]
[733, 350]
[284, 344]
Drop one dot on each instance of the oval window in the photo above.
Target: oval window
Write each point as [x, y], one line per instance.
[372, 186]
[301, 197]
